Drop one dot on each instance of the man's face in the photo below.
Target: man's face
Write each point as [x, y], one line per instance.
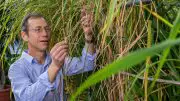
[38, 34]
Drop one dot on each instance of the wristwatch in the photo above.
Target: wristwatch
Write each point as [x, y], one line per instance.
[89, 41]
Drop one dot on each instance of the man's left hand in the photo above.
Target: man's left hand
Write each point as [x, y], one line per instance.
[87, 23]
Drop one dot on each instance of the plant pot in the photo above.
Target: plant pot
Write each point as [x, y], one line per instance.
[5, 93]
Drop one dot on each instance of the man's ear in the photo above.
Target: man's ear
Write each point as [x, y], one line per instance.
[24, 36]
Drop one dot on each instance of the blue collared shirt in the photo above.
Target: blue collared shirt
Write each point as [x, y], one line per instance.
[30, 82]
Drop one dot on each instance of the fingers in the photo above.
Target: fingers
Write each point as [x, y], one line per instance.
[57, 46]
[86, 18]
[60, 55]
[60, 50]
[83, 12]
[86, 21]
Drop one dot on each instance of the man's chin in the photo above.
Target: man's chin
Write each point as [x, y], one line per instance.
[44, 49]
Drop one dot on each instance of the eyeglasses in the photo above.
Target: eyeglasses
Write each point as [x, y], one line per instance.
[39, 30]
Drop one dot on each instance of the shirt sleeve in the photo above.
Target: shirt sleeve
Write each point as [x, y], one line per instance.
[24, 89]
[78, 65]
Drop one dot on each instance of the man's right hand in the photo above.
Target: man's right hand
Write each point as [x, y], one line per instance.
[58, 54]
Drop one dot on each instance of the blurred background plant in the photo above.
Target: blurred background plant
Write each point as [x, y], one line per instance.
[7, 53]
[120, 27]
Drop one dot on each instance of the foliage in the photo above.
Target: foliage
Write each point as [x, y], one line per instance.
[131, 59]
[119, 30]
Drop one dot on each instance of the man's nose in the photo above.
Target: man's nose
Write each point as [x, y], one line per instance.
[45, 32]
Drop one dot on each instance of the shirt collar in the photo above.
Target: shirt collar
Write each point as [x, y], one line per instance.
[31, 59]
[26, 56]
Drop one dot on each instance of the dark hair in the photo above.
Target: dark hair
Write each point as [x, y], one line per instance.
[24, 26]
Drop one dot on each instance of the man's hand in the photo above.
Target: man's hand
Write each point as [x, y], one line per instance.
[58, 54]
[87, 23]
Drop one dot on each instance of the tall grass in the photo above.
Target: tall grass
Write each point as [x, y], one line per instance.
[119, 30]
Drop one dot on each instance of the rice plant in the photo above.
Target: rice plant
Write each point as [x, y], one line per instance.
[120, 28]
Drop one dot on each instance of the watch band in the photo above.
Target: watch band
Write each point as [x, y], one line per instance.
[89, 41]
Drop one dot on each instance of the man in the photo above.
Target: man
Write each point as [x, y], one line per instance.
[37, 75]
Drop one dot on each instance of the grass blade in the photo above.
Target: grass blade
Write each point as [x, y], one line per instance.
[122, 64]
[173, 34]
